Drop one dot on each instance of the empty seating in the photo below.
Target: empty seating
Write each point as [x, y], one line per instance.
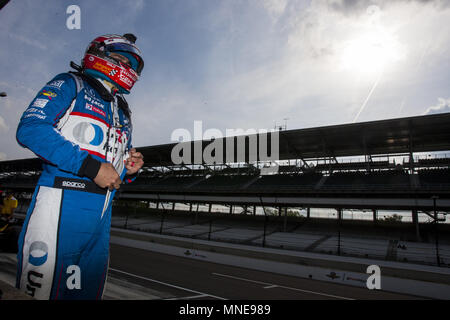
[284, 181]
[388, 180]
[435, 178]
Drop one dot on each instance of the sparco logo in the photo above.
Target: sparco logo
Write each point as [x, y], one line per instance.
[72, 184]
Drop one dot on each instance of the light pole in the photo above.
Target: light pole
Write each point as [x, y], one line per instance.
[436, 235]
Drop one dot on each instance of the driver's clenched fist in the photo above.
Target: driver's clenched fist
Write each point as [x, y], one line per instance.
[107, 177]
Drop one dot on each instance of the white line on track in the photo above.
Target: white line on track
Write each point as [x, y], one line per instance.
[167, 284]
[191, 297]
[271, 285]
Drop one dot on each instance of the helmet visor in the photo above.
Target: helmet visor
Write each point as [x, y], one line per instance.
[134, 55]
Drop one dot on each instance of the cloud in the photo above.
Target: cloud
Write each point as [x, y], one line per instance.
[355, 7]
[335, 51]
[443, 106]
[3, 126]
[28, 41]
[133, 8]
[262, 68]
[275, 8]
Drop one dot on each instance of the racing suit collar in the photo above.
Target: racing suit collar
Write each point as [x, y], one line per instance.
[105, 92]
[113, 90]
[108, 86]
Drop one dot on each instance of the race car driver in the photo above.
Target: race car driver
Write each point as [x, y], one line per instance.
[79, 124]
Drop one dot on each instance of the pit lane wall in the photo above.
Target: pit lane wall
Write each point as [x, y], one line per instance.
[420, 280]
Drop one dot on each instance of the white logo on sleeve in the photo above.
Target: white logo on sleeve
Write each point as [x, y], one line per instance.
[40, 103]
[56, 84]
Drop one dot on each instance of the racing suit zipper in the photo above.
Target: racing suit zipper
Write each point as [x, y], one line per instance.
[118, 148]
[111, 122]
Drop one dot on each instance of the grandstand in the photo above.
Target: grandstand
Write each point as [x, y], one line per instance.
[373, 165]
[394, 164]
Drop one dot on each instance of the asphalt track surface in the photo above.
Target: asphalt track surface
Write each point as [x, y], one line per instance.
[171, 277]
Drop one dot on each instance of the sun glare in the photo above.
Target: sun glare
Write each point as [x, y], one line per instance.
[370, 52]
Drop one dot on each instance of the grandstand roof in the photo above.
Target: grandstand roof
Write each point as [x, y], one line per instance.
[392, 136]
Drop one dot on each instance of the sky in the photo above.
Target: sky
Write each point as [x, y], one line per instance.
[239, 64]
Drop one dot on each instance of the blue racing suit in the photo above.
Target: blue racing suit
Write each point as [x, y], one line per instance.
[73, 124]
